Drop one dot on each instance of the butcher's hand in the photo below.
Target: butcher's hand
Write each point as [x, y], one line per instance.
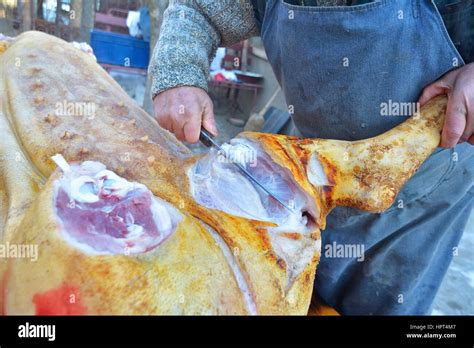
[459, 86]
[183, 110]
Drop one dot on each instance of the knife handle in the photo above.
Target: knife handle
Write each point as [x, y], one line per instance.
[205, 137]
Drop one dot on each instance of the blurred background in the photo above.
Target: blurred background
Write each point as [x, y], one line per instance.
[122, 33]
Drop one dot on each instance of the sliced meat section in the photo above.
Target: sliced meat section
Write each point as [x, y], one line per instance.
[103, 213]
[218, 184]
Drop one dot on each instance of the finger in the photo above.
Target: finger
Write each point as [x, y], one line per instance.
[160, 111]
[432, 91]
[178, 127]
[208, 120]
[469, 129]
[468, 86]
[164, 121]
[192, 127]
[442, 86]
[455, 121]
[177, 123]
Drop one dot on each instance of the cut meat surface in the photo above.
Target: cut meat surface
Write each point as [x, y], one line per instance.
[102, 213]
[218, 184]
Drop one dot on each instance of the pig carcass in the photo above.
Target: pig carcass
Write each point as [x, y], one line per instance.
[126, 220]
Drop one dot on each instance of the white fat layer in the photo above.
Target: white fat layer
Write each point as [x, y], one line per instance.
[82, 190]
[297, 254]
[238, 275]
[88, 187]
[83, 184]
[294, 222]
[315, 172]
[134, 231]
[203, 188]
[240, 152]
[165, 214]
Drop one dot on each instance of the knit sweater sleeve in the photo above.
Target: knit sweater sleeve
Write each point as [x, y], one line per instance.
[191, 32]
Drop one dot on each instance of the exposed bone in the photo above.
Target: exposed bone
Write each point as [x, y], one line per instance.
[61, 163]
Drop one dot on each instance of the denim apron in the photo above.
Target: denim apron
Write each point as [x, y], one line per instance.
[337, 66]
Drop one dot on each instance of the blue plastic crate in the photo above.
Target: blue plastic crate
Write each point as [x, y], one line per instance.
[119, 49]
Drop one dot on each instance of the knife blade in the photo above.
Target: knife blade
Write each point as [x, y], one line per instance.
[207, 140]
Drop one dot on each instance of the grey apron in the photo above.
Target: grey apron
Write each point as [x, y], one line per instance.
[339, 67]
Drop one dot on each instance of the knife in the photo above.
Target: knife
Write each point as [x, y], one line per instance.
[206, 139]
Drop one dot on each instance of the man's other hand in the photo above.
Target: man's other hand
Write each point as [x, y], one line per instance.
[459, 86]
